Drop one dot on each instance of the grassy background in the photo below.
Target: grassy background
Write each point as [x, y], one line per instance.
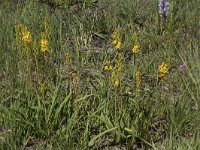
[64, 99]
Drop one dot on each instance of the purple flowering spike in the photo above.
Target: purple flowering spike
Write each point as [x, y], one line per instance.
[163, 8]
[181, 67]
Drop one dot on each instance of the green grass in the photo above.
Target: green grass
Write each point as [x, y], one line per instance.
[49, 102]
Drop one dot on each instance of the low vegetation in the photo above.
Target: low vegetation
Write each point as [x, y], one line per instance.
[99, 74]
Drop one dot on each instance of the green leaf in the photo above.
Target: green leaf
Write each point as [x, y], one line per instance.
[61, 105]
[53, 102]
[82, 98]
[93, 140]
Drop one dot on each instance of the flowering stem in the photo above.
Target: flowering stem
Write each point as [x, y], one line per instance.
[115, 103]
[29, 67]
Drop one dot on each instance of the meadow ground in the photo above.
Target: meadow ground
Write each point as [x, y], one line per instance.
[99, 74]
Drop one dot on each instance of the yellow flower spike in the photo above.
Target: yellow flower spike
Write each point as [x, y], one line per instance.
[116, 82]
[116, 39]
[116, 33]
[115, 78]
[44, 43]
[23, 35]
[119, 44]
[163, 70]
[26, 38]
[136, 46]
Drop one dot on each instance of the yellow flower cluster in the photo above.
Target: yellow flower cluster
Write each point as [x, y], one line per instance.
[23, 35]
[44, 43]
[163, 70]
[26, 37]
[115, 73]
[116, 39]
[115, 78]
[136, 46]
[116, 82]
[118, 69]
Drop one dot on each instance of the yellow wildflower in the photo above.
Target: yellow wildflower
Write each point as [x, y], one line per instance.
[115, 78]
[116, 33]
[23, 35]
[108, 66]
[136, 46]
[26, 38]
[44, 43]
[118, 44]
[116, 39]
[163, 70]
[116, 82]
